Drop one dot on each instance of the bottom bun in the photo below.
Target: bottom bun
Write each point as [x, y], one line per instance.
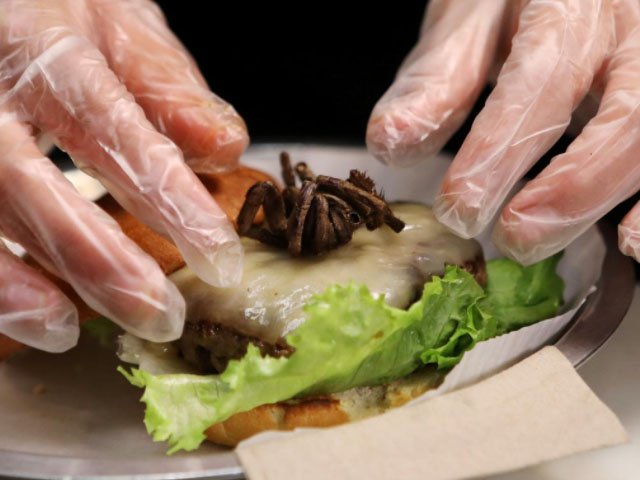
[324, 411]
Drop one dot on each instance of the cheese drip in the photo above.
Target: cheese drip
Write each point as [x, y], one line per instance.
[268, 302]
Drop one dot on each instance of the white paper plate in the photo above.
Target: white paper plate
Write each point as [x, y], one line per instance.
[73, 416]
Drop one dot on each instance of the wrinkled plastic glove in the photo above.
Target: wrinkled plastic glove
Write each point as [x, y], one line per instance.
[550, 55]
[114, 87]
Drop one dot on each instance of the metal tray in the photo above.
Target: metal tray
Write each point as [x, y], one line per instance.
[72, 416]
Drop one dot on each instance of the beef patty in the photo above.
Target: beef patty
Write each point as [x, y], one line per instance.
[208, 346]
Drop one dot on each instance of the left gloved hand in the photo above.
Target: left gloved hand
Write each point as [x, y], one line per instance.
[109, 81]
[557, 51]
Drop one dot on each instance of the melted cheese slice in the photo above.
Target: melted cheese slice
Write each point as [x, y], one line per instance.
[274, 288]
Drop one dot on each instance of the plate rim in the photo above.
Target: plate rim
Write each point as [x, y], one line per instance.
[604, 309]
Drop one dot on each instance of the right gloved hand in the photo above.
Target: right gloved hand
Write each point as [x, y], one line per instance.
[114, 87]
[550, 55]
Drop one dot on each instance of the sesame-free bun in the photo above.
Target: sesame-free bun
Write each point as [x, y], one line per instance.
[324, 411]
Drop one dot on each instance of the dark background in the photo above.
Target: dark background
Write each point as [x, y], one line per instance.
[311, 71]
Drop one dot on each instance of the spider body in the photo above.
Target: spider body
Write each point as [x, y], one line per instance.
[316, 217]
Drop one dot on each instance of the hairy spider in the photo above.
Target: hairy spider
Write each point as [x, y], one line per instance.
[317, 217]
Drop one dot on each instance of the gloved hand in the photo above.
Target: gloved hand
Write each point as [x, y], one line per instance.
[557, 52]
[113, 86]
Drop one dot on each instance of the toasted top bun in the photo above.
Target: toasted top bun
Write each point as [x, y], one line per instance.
[228, 189]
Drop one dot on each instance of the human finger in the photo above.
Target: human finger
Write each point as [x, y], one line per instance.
[74, 239]
[95, 119]
[598, 171]
[558, 48]
[438, 83]
[165, 80]
[33, 310]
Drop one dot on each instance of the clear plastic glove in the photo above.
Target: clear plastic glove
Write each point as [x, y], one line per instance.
[551, 54]
[113, 86]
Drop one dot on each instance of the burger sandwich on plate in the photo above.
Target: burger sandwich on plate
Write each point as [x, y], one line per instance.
[349, 305]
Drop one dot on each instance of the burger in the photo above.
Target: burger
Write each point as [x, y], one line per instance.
[349, 305]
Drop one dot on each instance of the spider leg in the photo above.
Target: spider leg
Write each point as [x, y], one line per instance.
[324, 237]
[377, 211]
[287, 170]
[265, 236]
[290, 195]
[295, 227]
[394, 222]
[361, 180]
[346, 210]
[343, 231]
[336, 202]
[274, 211]
[290, 192]
[304, 172]
[344, 219]
[263, 194]
[350, 194]
[309, 229]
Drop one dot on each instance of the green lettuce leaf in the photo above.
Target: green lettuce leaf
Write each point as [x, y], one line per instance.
[349, 339]
[518, 296]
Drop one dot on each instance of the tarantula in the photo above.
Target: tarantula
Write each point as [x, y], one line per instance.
[317, 217]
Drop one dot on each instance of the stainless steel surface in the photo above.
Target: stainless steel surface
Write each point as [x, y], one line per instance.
[73, 416]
